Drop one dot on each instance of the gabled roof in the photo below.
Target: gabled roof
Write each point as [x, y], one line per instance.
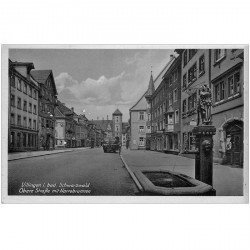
[62, 110]
[103, 124]
[41, 76]
[141, 104]
[117, 112]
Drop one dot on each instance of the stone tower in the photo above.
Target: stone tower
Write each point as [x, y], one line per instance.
[117, 124]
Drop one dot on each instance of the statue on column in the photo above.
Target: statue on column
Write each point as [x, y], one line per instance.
[204, 106]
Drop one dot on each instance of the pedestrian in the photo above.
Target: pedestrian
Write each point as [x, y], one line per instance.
[120, 148]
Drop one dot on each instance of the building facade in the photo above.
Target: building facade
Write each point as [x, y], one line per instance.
[46, 108]
[23, 108]
[195, 73]
[117, 124]
[227, 78]
[138, 124]
[65, 127]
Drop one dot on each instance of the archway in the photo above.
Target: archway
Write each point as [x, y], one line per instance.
[234, 142]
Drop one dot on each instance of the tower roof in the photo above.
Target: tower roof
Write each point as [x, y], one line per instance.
[151, 87]
[117, 112]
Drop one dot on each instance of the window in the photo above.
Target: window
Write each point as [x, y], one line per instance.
[177, 116]
[192, 73]
[202, 64]
[117, 128]
[19, 120]
[18, 139]
[219, 54]
[219, 91]
[141, 141]
[175, 95]
[12, 139]
[192, 101]
[117, 119]
[141, 116]
[19, 84]
[24, 139]
[170, 99]
[148, 129]
[170, 119]
[25, 105]
[192, 52]
[185, 59]
[19, 106]
[30, 91]
[185, 80]
[12, 118]
[34, 124]
[12, 100]
[34, 109]
[191, 142]
[12, 81]
[24, 121]
[29, 123]
[25, 88]
[30, 107]
[141, 129]
[184, 106]
[164, 107]
[149, 117]
[35, 94]
[237, 82]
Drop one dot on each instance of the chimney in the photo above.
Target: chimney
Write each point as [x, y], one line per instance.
[171, 57]
[72, 109]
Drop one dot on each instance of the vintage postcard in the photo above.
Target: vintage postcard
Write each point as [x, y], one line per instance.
[125, 124]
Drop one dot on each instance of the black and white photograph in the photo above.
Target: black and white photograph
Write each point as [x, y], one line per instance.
[126, 122]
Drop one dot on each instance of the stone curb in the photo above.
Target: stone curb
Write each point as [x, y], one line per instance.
[47, 153]
[132, 175]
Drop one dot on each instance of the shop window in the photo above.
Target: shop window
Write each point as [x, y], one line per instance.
[12, 139]
[18, 140]
[24, 139]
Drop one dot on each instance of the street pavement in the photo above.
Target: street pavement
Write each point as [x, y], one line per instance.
[227, 181]
[90, 169]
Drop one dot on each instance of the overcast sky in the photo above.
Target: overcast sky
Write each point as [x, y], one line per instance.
[97, 80]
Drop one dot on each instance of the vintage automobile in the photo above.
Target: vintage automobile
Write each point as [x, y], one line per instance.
[111, 145]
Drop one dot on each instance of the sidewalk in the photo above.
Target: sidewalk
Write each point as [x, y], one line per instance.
[23, 155]
[227, 181]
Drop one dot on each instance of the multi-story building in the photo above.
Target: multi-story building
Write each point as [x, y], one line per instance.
[172, 81]
[117, 124]
[23, 107]
[138, 124]
[65, 126]
[158, 106]
[46, 109]
[227, 77]
[195, 73]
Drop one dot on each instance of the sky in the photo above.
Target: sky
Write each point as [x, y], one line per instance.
[98, 80]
